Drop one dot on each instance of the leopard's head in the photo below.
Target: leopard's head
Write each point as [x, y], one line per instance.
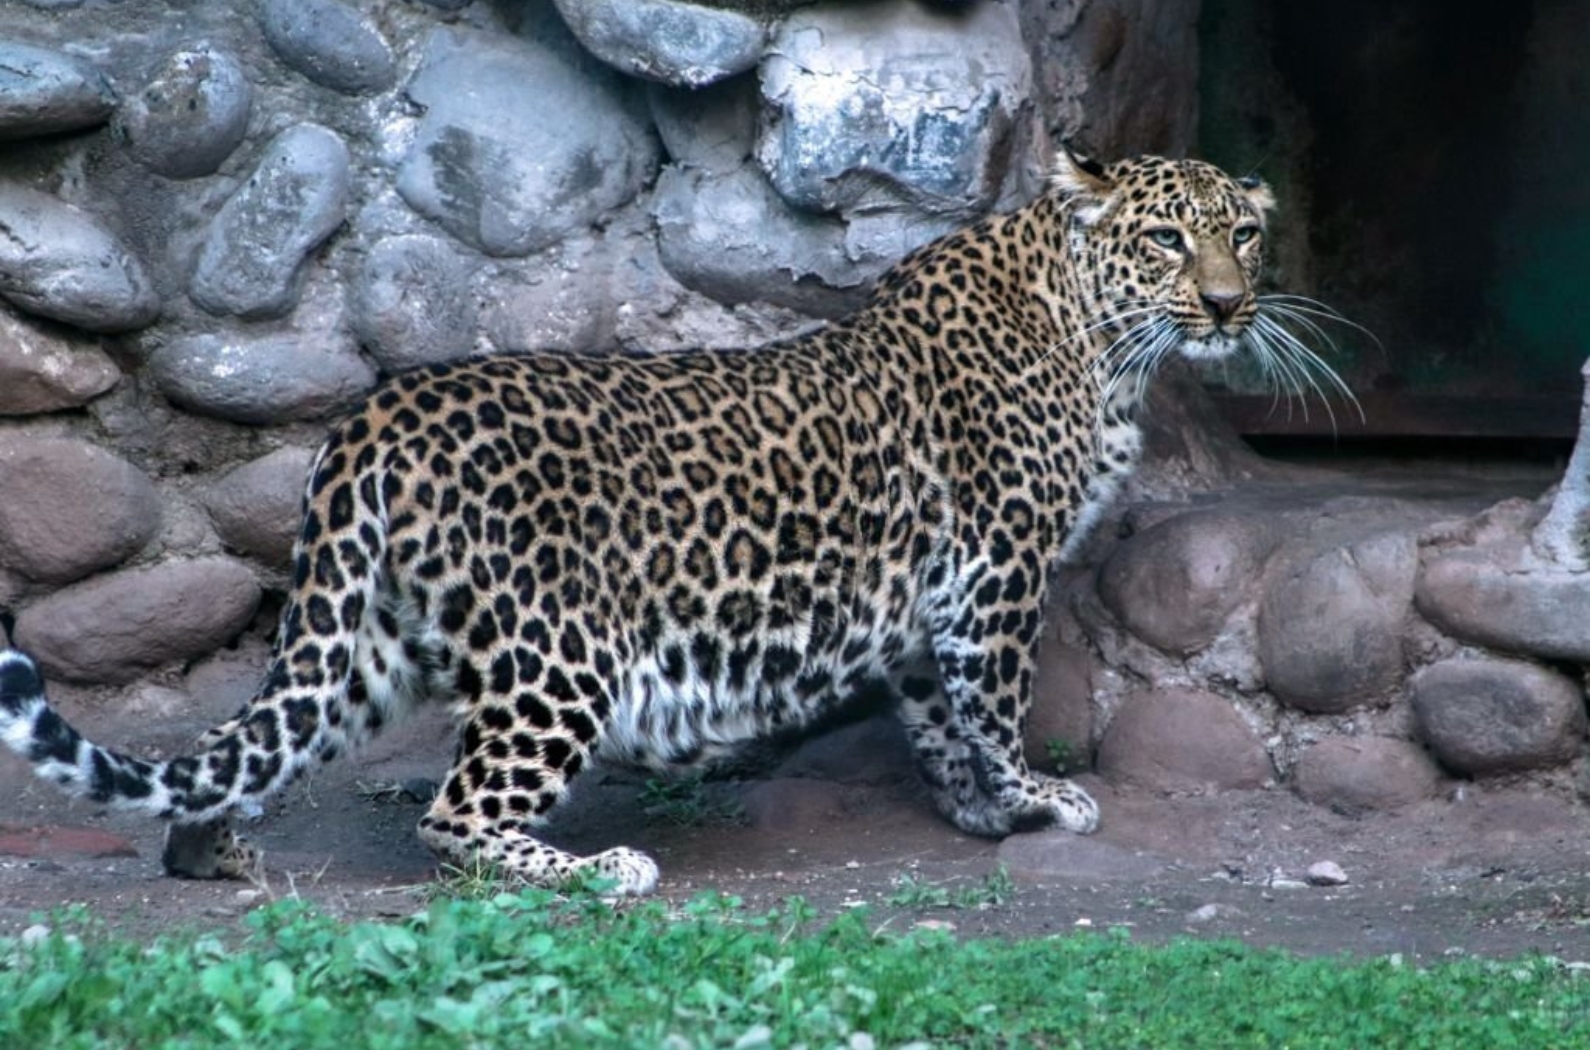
[1169, 251]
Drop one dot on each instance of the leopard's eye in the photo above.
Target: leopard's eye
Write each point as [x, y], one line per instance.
[1243, 234]
[1165, 237]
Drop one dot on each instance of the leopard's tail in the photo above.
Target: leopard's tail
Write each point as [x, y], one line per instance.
[302, 711]
[61, 755]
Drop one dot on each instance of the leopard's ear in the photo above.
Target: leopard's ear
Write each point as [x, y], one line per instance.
[1082, 179]
[1257, 192]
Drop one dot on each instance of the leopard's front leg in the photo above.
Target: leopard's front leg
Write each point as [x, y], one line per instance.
[986, 657]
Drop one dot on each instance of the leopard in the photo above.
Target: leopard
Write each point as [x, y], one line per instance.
[660, 559]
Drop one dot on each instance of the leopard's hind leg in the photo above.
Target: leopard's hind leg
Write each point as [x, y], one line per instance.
[531, 728]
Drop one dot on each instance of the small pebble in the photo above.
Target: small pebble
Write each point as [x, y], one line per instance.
[34, 934]
[1211, 912]
[1326, 873]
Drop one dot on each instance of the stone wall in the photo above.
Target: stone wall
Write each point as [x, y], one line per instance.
[223, 221]
[1368, 645]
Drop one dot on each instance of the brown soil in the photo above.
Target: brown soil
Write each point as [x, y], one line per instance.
[1495, 870]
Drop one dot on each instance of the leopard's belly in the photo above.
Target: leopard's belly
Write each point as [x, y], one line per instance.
[671, 716]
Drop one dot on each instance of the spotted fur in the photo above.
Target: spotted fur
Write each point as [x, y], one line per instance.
[660, 558]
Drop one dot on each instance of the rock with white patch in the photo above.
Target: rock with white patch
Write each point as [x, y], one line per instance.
[48, 370]
[868, 105]
[254, 254]
[265, 379]
[686, 44]
[191, 114]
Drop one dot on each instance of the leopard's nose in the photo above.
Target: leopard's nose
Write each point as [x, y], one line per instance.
[1221, 305]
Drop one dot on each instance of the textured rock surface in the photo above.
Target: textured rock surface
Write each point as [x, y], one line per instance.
[47, 92]
[191, 115]
[1175, 583]
[869, 104]
[329, 42]
[62, 263]
[712, 127]
[55, 842]
[264, 380]
[1062, 707]
[1359, 774]
[1182, 740]
[489, 167]
[666, 40]
[1330, 630]
[114, 627]
[1493, 596]
[1060, 855]
[1495, 716]
[70, 508]
[44, 371]
[730, 237]
[252, 261]
[412, 303]
[256, 506]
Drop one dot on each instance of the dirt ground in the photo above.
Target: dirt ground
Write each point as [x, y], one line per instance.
[1492, 870]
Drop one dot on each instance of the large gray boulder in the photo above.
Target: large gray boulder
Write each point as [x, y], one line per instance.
[253, 260]
[191, 114]
[265, 379]
[666, 40]
[46, 92]
[731, 237]
[46, 371]
[1496, 716]
[1330, 629]
[331, 43]
[520, 145]
[115, 627]
[1497, 595]
[59, 262]
[70, 508]
[875, 104]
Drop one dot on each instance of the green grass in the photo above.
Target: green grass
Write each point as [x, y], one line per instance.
[530, 971]
[688, 802]
[991, 891]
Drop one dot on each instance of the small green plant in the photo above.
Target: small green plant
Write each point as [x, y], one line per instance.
[474, 880]
[991, 891]
[1063, 755]
[689, 803]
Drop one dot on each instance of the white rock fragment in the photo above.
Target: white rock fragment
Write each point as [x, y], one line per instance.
[1326, 873]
